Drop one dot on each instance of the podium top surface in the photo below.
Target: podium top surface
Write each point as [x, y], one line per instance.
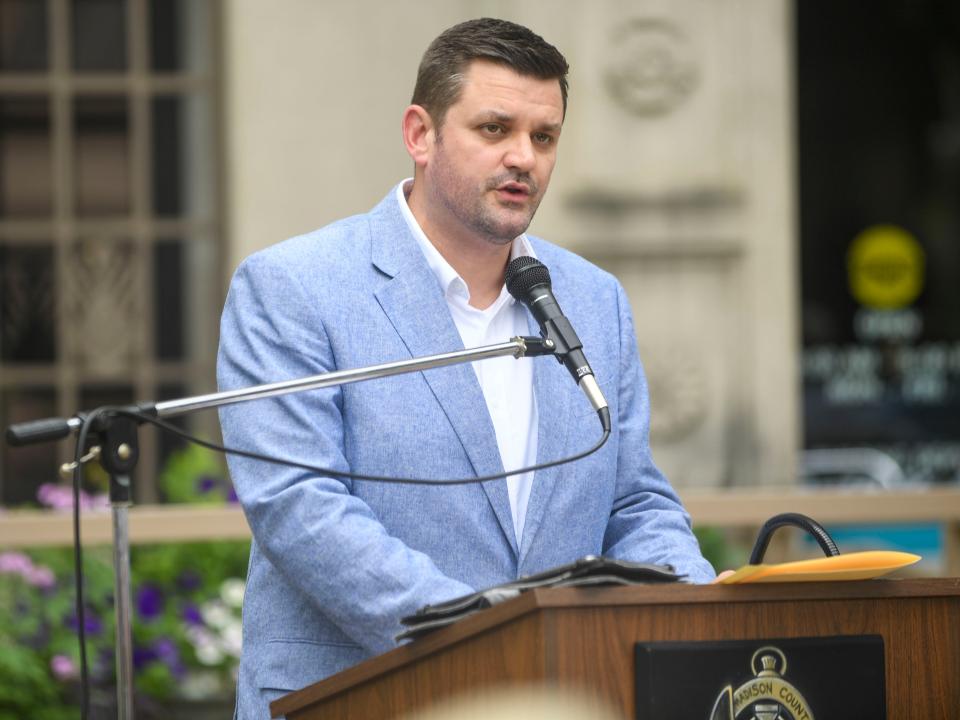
[559, 599]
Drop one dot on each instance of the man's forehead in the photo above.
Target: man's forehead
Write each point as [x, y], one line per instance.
[491, 71]
[485, 82]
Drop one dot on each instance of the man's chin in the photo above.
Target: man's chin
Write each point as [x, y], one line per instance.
[505, 234]
[511, 224]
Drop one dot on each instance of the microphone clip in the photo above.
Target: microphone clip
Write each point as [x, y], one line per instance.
[532, 346]
[560, 333]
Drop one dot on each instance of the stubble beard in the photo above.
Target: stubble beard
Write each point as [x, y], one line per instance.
[468, 204]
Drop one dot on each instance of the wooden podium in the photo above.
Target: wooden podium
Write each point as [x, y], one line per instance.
[585, 638]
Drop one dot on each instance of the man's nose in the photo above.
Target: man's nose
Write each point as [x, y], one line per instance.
[520, 155]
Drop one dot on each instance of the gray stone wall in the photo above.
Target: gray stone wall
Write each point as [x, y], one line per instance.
[675, 174]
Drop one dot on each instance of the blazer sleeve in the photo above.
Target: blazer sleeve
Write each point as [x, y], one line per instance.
[648, 523]
[326, 542]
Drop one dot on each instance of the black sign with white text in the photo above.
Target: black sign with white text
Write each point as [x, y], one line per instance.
[764, 679]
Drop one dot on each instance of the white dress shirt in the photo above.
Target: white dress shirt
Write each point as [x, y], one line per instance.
[506, 382]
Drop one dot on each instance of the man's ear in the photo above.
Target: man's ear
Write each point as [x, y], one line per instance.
[418, 134]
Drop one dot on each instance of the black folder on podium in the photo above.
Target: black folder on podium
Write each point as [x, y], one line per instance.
[589, 570]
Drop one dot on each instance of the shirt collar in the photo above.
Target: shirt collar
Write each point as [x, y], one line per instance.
[450, 281]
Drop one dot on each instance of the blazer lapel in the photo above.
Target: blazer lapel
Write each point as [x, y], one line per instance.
[414, 304]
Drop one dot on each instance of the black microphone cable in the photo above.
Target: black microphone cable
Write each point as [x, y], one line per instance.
[78, 565]
[90, 419]
[174, 430]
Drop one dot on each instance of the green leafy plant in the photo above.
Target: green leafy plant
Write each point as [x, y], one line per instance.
[186, 612]
[719, 550]
[197, 476]
[39, 656]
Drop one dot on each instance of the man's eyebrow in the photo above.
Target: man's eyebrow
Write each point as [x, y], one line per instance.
[551, 127]
[494, 115]
[507, 118]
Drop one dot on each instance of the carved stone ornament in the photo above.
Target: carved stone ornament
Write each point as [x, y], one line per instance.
[677, 383]
[652, 68]
[104, 307]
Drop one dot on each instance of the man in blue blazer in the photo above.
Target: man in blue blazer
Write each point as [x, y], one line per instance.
[336, 563]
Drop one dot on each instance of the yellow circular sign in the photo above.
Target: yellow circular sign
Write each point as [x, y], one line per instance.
[885, 264]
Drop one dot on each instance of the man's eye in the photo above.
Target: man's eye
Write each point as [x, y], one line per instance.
[493, 129]
[542, 138]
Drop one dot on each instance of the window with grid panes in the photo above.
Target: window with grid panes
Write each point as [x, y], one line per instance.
[110, 283]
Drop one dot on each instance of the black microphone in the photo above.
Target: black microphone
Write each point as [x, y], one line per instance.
[528, 280]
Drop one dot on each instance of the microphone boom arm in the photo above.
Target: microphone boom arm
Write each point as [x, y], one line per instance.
[50, 429]
[116, 432]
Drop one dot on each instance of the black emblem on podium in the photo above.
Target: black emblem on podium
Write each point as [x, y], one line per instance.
[768, 696]
[762, 679]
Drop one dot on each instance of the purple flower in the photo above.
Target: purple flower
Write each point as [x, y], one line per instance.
[91, 622]
[206, 483]
[60, 497]
[191, 614]
[63, 667]
[55, 496]
[143, 656]
[189, 580]
[166, 649]
[149, 601]
[40, 576]
[232, 495]
[168, 653]
[15, 562]
[162, 650]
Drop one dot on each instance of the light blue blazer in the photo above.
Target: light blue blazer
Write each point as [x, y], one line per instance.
[336, 563]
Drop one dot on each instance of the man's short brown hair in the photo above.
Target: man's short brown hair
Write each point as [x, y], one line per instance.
[444, 64]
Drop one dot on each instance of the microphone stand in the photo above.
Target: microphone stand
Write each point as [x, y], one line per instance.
[119, 451]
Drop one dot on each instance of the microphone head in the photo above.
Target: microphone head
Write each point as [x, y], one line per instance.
[523, 274]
